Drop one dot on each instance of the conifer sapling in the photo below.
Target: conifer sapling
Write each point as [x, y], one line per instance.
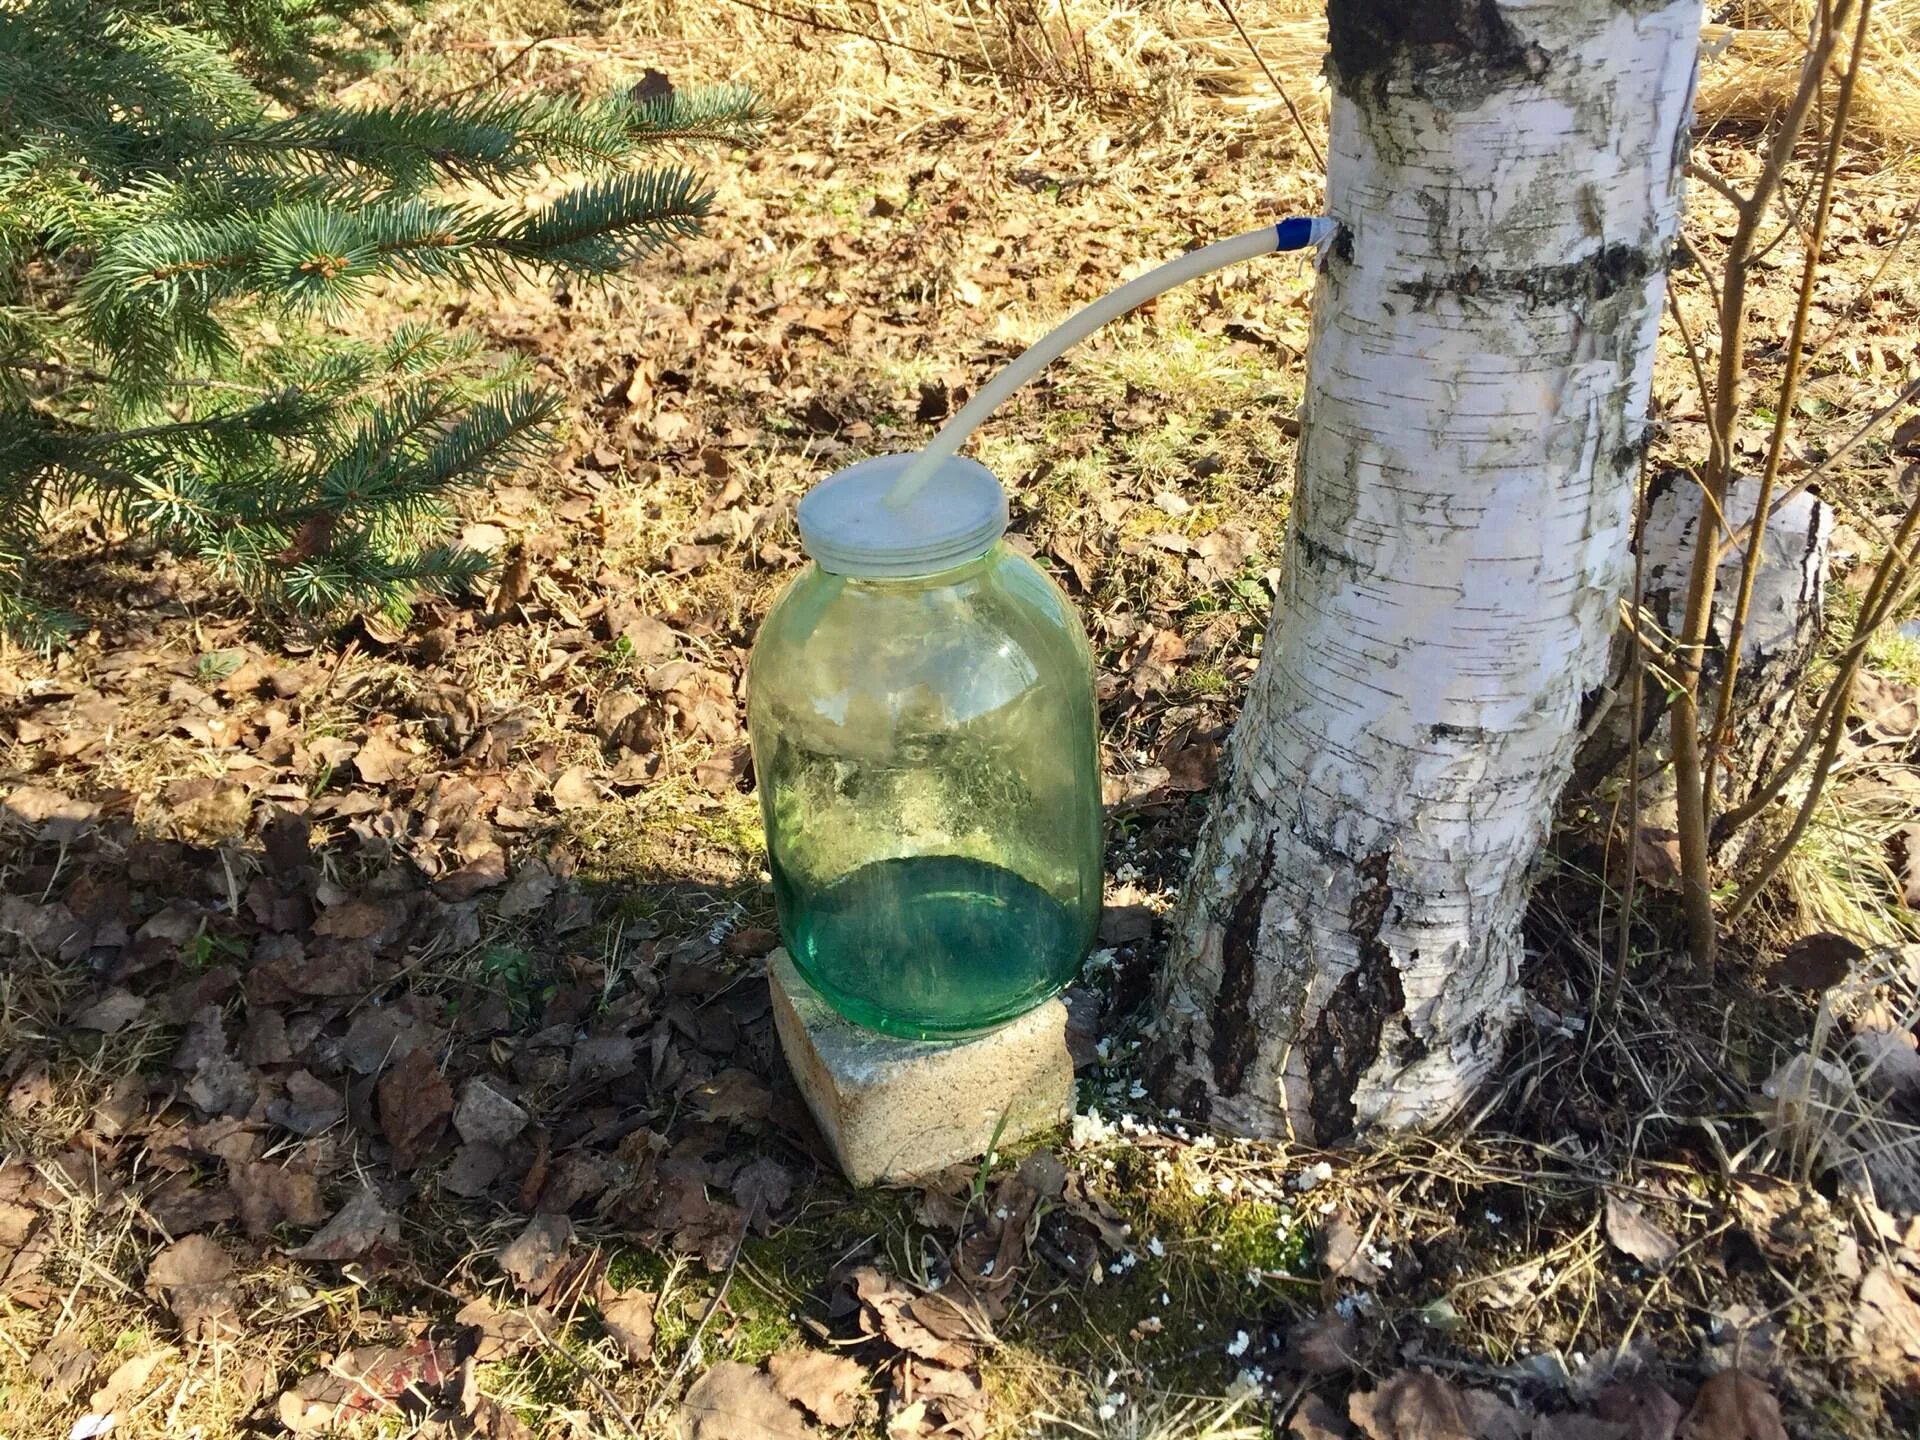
[177, 221]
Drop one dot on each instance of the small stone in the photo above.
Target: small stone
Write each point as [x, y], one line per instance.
[894, 1109]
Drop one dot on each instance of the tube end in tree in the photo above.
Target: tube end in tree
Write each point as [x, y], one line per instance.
[1300, 232]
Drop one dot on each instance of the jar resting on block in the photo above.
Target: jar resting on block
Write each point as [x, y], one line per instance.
[920, 703]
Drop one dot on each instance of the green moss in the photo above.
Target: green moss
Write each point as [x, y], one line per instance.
[658, 835]
[535, 1379]
[760, 1321]
[1895, 655]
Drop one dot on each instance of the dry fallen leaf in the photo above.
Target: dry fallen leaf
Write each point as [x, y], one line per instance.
[63, 1364]
[575, 790]
[484, 871]
[270, 1195]
[1734, 1405]
[828, 1385]
[1569, 1425]
[502, 1333]
[485, 1116]
[311, 1106]
[196, 1275]
[628, 1318]
[536, 1255]
[1315, 1419]
[1643, 1409]
[1635, 1235]
[736, 1402]
[1414, 1405]
[761, 1188]
[888, 1311]
[1656, 856]
[722, 772]
[1342, 1252]
[1886, 1327]
[1817, 962]
[415, 1105]
[358, 1228]
[1903, 859]
[1889, 708]
[58, 817]
[112, 1012]
[1888, 1055]
[128, 1383]
[529, 889]
[366, 1381]
[380, 760]
[1323, 1345]
[209, 814]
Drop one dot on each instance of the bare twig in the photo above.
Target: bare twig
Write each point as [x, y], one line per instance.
[1881, 601]
[1789, 392]
[691, 1350]
[1637, 668]
[500, 70]
[1862, 431]
[1699, 170]
[1274, 80]
[1693, 795]
[816, 22]
[606, 1397]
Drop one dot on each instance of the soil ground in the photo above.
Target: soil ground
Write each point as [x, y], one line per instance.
[384, 1035]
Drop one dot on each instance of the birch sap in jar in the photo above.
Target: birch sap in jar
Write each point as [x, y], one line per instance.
[920, 703]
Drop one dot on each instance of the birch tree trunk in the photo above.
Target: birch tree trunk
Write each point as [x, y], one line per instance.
[1507, 175]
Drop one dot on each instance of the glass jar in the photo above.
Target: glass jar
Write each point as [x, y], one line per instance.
[920, 703]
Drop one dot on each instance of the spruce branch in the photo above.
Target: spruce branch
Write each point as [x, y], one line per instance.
[173, 214]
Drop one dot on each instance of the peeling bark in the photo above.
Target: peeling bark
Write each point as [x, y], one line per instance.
[1785, 621]
[1507, 180]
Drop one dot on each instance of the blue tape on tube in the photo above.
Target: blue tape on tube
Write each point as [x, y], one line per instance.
[1294, 234]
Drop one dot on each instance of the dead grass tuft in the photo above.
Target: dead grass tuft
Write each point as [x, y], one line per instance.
[1751, 62]
[869, 58]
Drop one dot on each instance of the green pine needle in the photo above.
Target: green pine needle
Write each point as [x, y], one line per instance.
[187, 213]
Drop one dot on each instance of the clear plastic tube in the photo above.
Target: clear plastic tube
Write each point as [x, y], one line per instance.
[1287, 235]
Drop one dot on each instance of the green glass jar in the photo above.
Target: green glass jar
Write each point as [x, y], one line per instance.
[921, 707]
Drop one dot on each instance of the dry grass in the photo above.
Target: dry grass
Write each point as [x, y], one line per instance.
[866, 58]
[1750, 65]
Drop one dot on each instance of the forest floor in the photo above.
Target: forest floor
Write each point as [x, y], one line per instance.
[384, 1036]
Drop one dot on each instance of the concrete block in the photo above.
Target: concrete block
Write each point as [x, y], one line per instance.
[896, 1109]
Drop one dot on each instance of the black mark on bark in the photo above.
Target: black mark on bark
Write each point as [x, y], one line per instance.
[1630, 456]
[1454, 52]
[1603, 274]
[1232, 1044]
[1325, 556]
[1346, 1037]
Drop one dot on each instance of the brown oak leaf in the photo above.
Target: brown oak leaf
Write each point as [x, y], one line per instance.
[1734, 1405]
[415, 1105]
[828, 1385]
[736, 1402]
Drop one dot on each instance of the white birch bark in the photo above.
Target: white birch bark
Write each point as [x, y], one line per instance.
[1785, 620]
[1508, 177]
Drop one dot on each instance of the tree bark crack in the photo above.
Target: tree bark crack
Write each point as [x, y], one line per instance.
[1233, 1034]
[1345, 1039]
